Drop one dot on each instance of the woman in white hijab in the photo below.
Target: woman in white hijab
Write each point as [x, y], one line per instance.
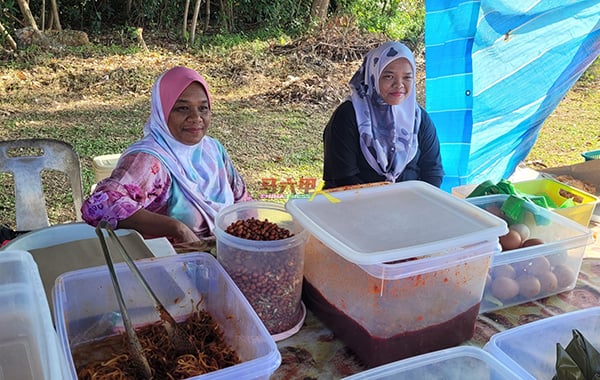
[380, 133]
[173, 181]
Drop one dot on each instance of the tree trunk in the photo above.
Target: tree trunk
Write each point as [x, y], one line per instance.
[29, 20]
[185, 17]
[43, 14]
[195, 21]
[50, 21]
[207, 18]
[11, 42]
[318, 11]
[228, 17]
[56, 19]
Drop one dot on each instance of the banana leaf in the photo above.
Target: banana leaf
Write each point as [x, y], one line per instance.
[584, 354]
[578, 361]
[566, 367]
[513, 208]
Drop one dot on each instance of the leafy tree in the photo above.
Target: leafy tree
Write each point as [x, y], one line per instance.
[397, 19]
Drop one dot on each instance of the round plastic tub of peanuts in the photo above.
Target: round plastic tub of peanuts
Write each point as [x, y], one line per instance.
[262, 248]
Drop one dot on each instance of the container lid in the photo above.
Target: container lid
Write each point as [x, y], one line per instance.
[373, 225]
[460, 362]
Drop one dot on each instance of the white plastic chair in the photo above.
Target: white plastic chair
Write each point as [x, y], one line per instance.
[21, 158]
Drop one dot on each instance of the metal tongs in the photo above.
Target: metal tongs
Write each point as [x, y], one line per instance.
[181, 340]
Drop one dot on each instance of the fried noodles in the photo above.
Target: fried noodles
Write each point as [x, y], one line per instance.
[212, 354]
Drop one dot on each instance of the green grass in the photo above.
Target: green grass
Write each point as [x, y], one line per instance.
[573, 128]
[97, 99]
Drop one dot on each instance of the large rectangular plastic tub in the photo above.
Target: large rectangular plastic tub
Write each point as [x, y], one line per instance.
[533, 272]
[86, 308]
[530, 349]
[558, 192]
[29, 347]
[396, 270]
[456, 363]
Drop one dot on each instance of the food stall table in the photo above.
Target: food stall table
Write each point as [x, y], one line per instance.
[315, 353]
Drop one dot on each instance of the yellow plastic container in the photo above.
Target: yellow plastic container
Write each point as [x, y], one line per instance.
[558, 192]
[104, 165]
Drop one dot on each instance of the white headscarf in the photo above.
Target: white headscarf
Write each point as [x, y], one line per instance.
[199, 172]
[388, 134]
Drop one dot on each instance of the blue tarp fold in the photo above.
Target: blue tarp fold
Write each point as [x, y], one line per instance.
[495, 70]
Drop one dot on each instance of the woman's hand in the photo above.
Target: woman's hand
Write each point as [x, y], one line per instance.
[150, 224]
[182, 233]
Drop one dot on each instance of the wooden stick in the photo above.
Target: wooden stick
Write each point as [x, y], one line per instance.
[138, 34]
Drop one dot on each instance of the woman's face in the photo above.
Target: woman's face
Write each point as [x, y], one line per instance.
[190, 116]
[396, 81]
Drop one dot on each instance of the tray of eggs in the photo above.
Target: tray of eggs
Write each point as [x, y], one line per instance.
[540, 255]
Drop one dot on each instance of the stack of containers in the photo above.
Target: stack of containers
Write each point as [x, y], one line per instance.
[396, 270]
[531, 272]
[29, 348]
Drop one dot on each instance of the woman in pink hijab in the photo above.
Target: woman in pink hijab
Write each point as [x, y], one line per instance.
[174, 180]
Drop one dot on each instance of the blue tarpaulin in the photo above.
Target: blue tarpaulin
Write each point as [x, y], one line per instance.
[495, 70]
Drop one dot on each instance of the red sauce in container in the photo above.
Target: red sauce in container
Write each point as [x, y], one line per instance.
[374, 351]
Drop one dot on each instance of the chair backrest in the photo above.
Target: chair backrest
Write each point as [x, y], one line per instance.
[26, 159]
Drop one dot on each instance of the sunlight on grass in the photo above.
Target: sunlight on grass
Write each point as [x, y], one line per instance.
[98, 100]
[573, 128]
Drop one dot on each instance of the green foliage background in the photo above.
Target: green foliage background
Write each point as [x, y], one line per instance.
[397, 19]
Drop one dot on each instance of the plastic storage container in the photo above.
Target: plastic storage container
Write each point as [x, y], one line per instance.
[456, 363]
[86, 308]
[463, 191]
[559, 192]
[397, 270]
[530, 349]
[591, 155]
[587, 171]
[536, 271]
[104, 165]
[29, 347]
[269, 273]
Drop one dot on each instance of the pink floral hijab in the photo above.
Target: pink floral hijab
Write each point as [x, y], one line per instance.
[199, 173]
[388, 134]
